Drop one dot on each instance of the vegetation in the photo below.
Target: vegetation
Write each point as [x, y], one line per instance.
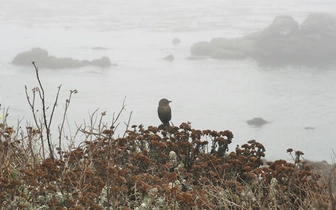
[148, 168]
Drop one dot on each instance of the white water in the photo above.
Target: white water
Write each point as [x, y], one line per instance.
[211, 94]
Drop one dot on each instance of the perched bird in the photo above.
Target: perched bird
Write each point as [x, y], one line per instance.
[164, 111]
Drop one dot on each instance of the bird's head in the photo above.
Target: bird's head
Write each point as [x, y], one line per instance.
[164, 102]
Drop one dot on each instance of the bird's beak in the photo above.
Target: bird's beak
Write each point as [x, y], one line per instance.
[170, 101]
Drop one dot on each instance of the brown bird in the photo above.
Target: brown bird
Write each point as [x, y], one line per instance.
[164, 111]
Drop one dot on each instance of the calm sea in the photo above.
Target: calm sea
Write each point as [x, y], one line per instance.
[136, 35]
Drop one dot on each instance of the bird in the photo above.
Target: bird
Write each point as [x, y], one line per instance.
[164, 111]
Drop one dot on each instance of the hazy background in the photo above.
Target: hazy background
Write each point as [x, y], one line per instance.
[137, 34]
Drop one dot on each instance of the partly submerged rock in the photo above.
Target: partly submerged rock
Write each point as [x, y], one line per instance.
[284, 42]
[44, 60]
[99, 48]
[197, 57]
[203, 49]
[176, 41]
[169, 57]
[309, 128]
[257, 121]
[102, 62]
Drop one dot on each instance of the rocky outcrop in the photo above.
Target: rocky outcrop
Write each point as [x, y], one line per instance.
[44, 60]
[284, 42]
[257, 121]
[176, 41]
[169, 57]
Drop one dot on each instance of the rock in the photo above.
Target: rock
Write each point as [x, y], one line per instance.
[44, 60]
[309, 128]
[284, 42]
[176, 41]
[202, 49]
[196, 57]
[257, 121]
[169, 57]
[281, 26]
[99, 48]
[102, 62]
[229, 54]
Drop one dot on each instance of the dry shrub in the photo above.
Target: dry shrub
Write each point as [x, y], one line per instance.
[155, 168]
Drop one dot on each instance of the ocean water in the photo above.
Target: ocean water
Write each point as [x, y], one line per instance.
[136, 35]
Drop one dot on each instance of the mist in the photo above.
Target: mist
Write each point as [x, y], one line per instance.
[217, 91]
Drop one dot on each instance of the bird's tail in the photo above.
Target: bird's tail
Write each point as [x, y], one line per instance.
[164, 126]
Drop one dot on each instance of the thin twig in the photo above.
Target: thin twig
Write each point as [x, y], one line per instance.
[67, 104]
[31, 103]
[54, 106]
[42, 97]
[330, 188]
[128, 123]
[114, 120]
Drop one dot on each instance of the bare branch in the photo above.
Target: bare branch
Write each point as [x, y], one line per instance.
[114, 120]
[54, 106]
[128, 123]
[67, 104]
[330, 187]
[42, 97]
